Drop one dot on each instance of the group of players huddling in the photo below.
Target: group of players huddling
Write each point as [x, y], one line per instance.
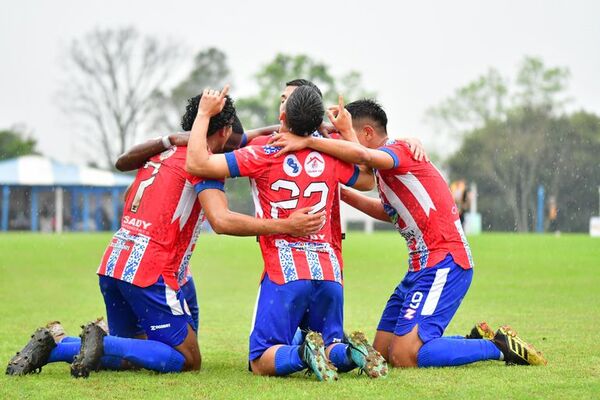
[295, 175]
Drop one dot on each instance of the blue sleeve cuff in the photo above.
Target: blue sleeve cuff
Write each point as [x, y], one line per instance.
[209, 184]
[244, 141]
[391, 153]
[354, 177]
[234, 170]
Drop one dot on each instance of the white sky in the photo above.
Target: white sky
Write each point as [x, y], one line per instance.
[413, 54]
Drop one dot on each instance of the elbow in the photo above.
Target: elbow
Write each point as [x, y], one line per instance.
[218, 223]
[121, 164]
[192, 167]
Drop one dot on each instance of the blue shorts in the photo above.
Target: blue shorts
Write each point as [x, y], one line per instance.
[305, 304]
[189, 293]
[428, 298]
[161, 312]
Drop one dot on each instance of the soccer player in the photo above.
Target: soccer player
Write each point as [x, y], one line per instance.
[302, 280]
[147, 259]
[415, 197]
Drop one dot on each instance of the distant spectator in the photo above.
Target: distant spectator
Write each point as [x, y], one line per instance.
[552, 214]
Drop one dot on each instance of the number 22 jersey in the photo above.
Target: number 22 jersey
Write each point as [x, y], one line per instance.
[281, 185]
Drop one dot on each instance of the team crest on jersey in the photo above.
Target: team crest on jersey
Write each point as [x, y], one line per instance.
[314, 165]
[291, 166]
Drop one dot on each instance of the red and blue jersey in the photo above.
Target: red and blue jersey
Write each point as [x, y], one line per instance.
[160, 223]
[417, 199]
[281, 185]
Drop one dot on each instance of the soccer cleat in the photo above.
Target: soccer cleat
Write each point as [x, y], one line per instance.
[34, 355]
[481, 331]
[56, 330]
[515, 349]
[369, 360]
[101, 322]
[312, 353]
[92, 349]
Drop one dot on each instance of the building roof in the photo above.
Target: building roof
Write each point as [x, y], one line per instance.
[42, 171]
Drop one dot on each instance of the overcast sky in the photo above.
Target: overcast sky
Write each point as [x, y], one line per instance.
[413, 54]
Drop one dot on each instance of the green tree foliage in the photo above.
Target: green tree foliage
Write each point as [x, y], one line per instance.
[519, 139]
[15, 143]
[263, 108]
[210, 69]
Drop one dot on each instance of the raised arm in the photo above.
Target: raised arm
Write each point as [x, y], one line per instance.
[199, 161]
[137, 155]
[254, 133]
[224, 221]
[370, 206]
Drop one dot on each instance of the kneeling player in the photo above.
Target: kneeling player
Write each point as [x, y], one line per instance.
[302, 281]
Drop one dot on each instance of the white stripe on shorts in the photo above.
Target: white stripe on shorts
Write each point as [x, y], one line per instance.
[255, 309]
[172, 301]
[435, 292]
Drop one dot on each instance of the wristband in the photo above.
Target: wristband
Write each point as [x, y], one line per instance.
[166, 142]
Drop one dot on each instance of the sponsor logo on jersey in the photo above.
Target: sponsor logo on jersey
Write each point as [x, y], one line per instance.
[291, 166]
[314, 165]
[138, 223]
[157, 327]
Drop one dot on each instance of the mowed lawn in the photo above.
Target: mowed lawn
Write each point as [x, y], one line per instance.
[547, 287]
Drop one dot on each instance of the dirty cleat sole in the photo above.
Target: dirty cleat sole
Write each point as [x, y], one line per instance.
[34, 355]
[369, 360]
[92, 349]
[313, 354]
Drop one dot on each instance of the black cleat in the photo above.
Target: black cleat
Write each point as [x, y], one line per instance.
[34, 355]
[481, 331]
[92, 349]
[516, 350]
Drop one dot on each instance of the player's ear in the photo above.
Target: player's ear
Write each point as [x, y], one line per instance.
[369, 132]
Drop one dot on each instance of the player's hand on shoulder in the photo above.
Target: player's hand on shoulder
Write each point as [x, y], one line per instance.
[288, 142]
[417, 149]
[342, 120]
[212, 101]
[302, 223]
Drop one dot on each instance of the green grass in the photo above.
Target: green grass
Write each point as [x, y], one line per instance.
[547, 287]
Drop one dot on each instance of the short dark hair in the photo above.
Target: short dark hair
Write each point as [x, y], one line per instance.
[304, 82]
[237, 127]
[370, 109]
[304, 111]
[225, 117]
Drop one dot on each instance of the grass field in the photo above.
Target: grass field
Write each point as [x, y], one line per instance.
[547, 287]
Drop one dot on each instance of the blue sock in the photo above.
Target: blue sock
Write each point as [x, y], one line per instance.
[444, 352]
[288, 361]
[454, 337]
[112, 363]
[339, 357]
[65, 351]
[68, 339]
[148, 354]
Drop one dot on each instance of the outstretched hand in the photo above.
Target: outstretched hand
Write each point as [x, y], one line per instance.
[303, 224]
[288, 142]
[212, 101]
[342, 120]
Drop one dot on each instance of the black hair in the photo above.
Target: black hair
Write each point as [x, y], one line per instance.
[304, 111]
[304, 82]
[368, 108]
[225, 117]
[237, 127]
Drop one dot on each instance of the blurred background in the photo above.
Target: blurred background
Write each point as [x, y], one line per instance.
[504, 95]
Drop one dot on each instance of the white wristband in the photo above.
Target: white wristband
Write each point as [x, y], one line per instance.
[166, 142]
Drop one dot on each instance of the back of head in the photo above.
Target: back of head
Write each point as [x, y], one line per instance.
[227, 116]
[304, 82]
[304, 111]
[368, 110]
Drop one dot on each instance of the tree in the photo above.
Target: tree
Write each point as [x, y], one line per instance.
[113, 76]
[210, 69]
[263, 108]
[15, 143]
